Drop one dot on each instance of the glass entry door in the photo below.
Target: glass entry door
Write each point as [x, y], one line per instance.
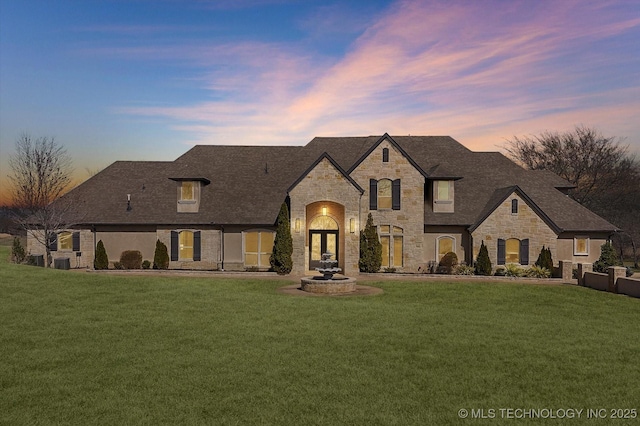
[322, 242]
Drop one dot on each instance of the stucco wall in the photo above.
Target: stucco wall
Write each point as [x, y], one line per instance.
[460, 235]
[117, 239]
[325, 183]
[410, 217]
[525, 224]
[565, 247]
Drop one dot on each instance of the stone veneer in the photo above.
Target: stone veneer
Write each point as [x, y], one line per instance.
[209, 249]
[501, 223]
[86, 249]
[410, 217]
[325, 183]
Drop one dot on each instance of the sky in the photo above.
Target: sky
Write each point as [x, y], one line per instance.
[147, 79]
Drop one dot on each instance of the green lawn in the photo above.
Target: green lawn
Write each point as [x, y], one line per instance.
[80, 348]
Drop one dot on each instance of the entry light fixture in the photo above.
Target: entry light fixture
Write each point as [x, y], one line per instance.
[352, 225]
[297, 225]
[324, 211]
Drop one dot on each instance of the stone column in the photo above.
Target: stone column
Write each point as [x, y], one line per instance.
[615, 272]
[582, 269]
[566, 270]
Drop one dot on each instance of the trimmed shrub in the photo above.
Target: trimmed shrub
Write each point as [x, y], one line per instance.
[447, 263]
[389, 270]
[161, 256]
[607, 258]
[131, 259]
[280, 260]
[483, 263]
[146, 264]
[544, 259]
[17, 251]
[117, 265]
[102, 260]
[501, 271]
[370, 248]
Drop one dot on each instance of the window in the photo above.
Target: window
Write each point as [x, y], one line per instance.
[442, 190]
[581, 246]
[513, 250]
[385, 155]
[384, 194]
[514, 206]
[185, 247]
[65, 241]
[187, 191]
[258, 246]
[445, 245]
[392, 246]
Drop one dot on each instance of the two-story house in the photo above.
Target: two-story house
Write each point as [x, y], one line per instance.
[215, 207]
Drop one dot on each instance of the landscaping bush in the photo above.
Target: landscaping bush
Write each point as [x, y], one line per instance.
[501, 271]
[390, 270]
[131, 259]
[17, 251]
[447, 263]
[544, 259]
[607, 258]
[280, 260]
[102, 260]
[146, 264]
[370, 248]
[117, 265]
[483, 263]
[464, 270]
[161, 256]
[513, 270]
[538, 272]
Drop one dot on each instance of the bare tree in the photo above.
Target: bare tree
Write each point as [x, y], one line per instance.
[41, 173]
[606, 176]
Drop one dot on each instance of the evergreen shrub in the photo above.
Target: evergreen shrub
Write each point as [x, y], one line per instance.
[17, 251]
[102, 260]
[161, 256]
[280, 260]
[131, 259]
[447, 263]
[607, 258]
[544, 259]
[483, 263]
[370, 248]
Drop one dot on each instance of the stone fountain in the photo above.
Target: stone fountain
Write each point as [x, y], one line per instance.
[327, 283]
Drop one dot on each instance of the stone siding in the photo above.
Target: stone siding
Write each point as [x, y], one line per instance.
[34, 247]
[410, 217]
[209, 249]
[525, 224]
[324, 183]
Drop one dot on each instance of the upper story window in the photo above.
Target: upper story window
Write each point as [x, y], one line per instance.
[443, 190]
[187, 190]
[514, 206]
[385, 155]
[443, 196]
[384, 194]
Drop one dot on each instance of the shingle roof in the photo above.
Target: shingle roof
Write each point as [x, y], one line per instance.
[249, 183]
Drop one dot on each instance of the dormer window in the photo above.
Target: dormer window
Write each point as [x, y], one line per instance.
[187, 190]
[443, 196]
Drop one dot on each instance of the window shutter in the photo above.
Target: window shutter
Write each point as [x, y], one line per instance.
[524, 252]
[53, 241]
[502, 251]
[196, 246]
[395, 195]
[174, 245]
[373, 194]
[76, 241]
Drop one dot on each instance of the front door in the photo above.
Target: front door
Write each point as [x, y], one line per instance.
[322, 242]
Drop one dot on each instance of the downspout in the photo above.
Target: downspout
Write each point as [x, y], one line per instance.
[222, 247]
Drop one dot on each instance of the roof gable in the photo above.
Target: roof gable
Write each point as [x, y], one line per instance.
[325, 156]
[396, 146]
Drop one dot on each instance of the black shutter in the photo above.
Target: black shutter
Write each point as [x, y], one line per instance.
[53, 241]
[502, 251]
[196, 246]
[395, 195]
[76, 241]
[524, 252]
[174, 245]
[373, 194]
